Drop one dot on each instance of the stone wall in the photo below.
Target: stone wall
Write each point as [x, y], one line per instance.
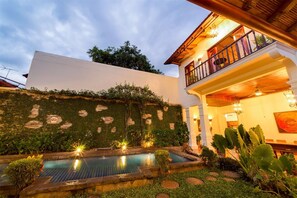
[68, 120]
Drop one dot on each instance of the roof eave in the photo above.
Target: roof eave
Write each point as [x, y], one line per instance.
[195, 34]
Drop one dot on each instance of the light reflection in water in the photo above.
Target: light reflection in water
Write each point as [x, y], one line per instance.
[122, 162]
[77, 164]
[148, 161]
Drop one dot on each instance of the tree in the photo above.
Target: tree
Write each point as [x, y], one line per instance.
[128, 56]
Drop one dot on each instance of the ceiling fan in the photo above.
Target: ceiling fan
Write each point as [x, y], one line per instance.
[260, 92]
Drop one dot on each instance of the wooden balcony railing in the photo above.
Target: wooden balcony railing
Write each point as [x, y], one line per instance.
[239, 49]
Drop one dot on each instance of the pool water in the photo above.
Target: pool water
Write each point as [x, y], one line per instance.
[74, 169]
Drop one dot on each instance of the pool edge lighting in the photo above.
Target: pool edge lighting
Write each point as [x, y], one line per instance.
[124, 147]
[78, 150]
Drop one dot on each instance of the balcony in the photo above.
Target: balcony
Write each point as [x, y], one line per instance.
[239, 49]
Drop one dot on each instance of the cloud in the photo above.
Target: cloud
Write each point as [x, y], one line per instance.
[70, 29]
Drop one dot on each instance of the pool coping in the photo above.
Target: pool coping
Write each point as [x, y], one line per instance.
[99, 185]
[5, 159]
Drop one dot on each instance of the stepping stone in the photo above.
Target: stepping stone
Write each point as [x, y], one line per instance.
[169, 184]
[194, 181]
[215, 174]
[231, 174]
[211, 178]
[162, 195]
[228, 179]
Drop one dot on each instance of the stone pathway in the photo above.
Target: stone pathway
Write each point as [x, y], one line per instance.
[215, 174]
[169, 184]
[194, 181]
[231, 174]
[162, 195]
[211, 178]
[229, 179]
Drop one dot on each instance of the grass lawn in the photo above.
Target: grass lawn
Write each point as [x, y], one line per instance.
[211, 189]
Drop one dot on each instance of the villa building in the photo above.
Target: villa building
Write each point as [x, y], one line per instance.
[236, 75]
[228, 74]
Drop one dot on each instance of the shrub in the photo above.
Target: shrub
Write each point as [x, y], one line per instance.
[23, 172]
[208, 156]
[257, 159]
[228, 164]
[182, 132]
[162, 159]
[165, 138]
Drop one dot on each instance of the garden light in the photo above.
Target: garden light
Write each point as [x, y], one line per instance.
[124, 147]
[79, 149]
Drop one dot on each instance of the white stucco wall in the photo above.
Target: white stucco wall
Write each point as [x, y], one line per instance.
[58, 72]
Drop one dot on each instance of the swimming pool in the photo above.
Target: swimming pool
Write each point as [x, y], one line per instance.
[74, 169]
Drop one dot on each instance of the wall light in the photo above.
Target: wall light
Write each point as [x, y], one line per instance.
[195, 118]
[291, 99]
[210, 118]
[237, 107]
[213, 31]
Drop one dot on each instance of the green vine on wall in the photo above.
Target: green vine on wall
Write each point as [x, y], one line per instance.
[129, 93]
[16, 107]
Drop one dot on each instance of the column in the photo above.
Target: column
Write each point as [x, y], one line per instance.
[206, 135]
[191, 125]
[292, 72]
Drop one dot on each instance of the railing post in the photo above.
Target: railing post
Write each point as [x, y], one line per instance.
[249, 43]
[257, 45]
[244, 52]
[227, 53]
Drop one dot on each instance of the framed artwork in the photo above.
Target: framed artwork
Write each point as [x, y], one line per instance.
[286, 121]
[231, 117]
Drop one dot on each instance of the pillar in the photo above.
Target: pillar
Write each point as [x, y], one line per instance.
[206, 135]
[291, 68]
[191, 125]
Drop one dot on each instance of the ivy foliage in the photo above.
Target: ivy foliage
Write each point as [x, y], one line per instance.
[172, 137]
[16, 107]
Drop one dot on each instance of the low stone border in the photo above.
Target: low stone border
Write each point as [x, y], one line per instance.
[100, 152]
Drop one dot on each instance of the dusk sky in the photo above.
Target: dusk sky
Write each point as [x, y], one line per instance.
[70, 28]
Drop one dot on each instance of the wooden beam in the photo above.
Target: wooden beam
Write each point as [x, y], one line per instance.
[247, 5]
[292, 27]
[192, 46]
[256, 23]
[286, 6]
